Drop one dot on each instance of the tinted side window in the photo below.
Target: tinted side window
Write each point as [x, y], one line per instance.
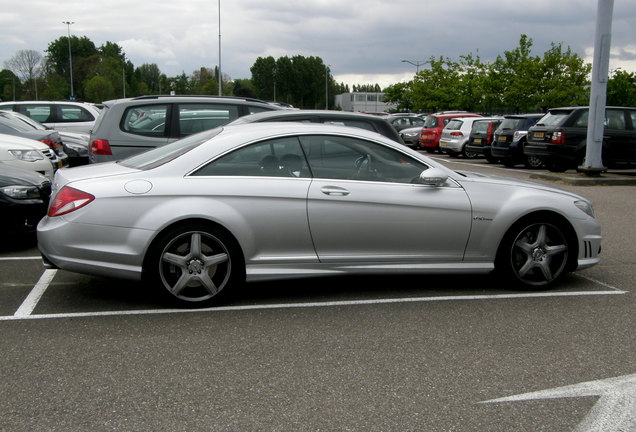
[251, 109]
[38, 112]
[632, 114]
[345, 158]
[280, 157]
[146, 120]
[73, 113]
[351, 123]
[195, 118]
[615, 119]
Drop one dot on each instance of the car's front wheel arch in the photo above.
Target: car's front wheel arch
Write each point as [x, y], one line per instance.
[539, 244]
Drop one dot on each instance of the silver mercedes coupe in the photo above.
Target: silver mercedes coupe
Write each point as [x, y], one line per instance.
[278, 200]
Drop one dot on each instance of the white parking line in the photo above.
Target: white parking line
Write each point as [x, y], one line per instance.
[18, 258]
[36, 293]
[312, 304]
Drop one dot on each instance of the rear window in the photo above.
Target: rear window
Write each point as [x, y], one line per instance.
[511, 124]
[455, 124]
[164, 154]
[480, 126]
[554, 118]
[430, 122]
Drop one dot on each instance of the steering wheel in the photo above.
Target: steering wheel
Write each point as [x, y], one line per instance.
[363, 166]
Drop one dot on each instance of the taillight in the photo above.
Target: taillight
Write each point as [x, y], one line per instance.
[558, 138]
[457, 133]
[489, 134]
[100, 147]
[52, 144]
[68, 200]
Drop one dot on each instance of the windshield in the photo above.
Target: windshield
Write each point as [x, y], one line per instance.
[164, 154]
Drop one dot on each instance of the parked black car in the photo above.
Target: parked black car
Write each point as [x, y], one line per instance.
[559, 138]
[342, 118]
[24, 198]
[509, 139]
[481, 136]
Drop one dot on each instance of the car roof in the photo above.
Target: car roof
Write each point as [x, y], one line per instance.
[140, 100]
[302, 113]
[525, 116]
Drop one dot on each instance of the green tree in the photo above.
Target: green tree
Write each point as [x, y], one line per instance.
[10, 86]
[244, 88]
[99, 88]
[562, 79]
[265, 77]
[401, 95]
[621, 88]
[84, 56]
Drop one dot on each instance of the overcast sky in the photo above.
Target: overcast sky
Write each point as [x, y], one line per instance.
[363, 41]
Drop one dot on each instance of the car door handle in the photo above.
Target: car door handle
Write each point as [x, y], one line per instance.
[334, 191]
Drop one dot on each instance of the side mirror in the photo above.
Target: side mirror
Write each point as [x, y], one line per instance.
[433, 177]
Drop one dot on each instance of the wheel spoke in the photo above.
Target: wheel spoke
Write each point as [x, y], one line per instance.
[213, 260]
[195, 245]
[177, 260]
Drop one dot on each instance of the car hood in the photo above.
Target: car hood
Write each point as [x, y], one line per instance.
[473, 177]
[16, 176]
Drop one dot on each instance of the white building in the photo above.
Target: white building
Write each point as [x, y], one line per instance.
[362, 102]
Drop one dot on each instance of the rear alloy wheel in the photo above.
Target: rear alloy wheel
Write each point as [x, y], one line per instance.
[532, 162]
[194, 264]
[534, 254]
[469, 154]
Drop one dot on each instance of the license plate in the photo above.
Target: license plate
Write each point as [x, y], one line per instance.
[539, 134]
[477, 140]
[443, 143]
[501, 138]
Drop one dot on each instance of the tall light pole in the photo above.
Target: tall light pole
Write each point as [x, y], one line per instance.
[70, 60]
[416, 63]
[326, 87]
[220, 94]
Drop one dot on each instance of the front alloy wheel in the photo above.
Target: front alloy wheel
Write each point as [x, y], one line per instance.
[535, 254]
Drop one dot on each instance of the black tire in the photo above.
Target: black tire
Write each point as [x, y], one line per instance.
[429, 150]
[556, 166]
[469, 154]
[534, 253]
[194, 265]
[491, 159]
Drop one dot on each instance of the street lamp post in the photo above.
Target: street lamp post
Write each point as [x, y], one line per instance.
[220, 89]
[70, 60]
[416, 63]
[327, 87]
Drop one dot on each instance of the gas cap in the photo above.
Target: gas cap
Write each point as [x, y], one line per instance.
[138, 186]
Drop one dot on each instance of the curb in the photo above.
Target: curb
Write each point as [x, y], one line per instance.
[580, 179]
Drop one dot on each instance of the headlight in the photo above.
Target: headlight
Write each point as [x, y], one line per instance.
[27, 155]
[21, 192]
[585, 207]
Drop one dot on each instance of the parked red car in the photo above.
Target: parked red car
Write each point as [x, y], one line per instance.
[433, 126]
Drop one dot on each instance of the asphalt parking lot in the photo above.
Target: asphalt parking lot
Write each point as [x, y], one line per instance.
[434, 353]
